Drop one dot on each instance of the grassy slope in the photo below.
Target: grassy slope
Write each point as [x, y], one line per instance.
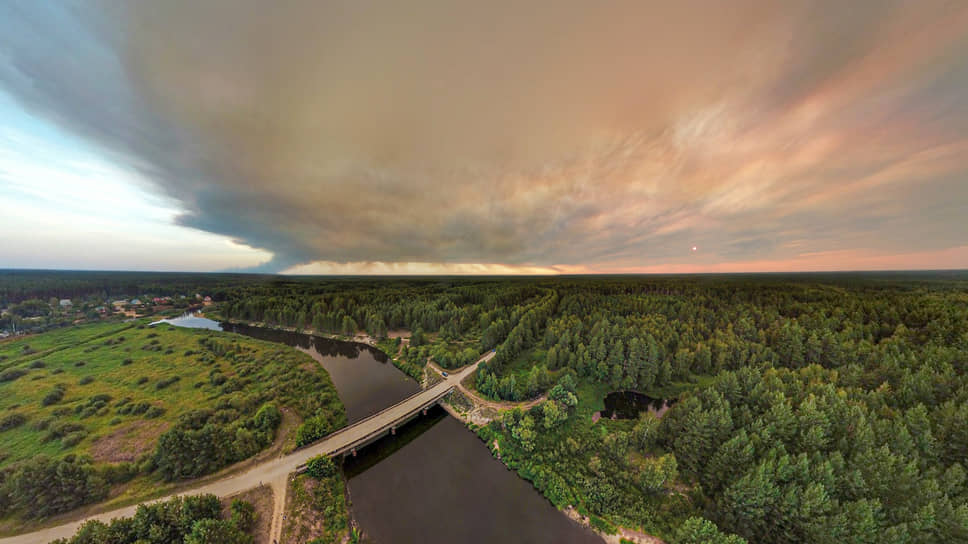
[179, 355]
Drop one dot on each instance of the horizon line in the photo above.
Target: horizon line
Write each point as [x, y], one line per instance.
[469, 275]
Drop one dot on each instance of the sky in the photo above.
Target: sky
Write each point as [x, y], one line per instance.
[442, 137]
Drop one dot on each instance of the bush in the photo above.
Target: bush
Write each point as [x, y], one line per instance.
[12, 374]
[216, 531]
[311, 430]
[267, 418]
[80, 363]
[11, 421]
[41, 486]
[126, 362]
[193, 519]
[60, 429]
[42, 424]
[38, 364]
[243, 514]
[320, 467]
[86, 380]
[73, 439]
[142, 380]
[167, 382]
[54, 396]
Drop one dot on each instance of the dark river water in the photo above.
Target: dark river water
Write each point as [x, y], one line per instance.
[629, 404]
[435, 481]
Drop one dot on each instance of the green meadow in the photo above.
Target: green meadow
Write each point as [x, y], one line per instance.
[110, 394]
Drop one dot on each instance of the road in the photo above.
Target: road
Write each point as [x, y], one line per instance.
[493, 404]
[274, 471]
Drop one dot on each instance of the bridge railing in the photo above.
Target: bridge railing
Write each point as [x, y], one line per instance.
[408, 399]
[367, 418]
[383, 428]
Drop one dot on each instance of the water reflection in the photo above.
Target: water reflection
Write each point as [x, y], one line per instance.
[629, 404]
[444, 486]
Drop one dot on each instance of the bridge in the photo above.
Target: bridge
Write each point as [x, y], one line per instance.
[275, 472]
[349, 439]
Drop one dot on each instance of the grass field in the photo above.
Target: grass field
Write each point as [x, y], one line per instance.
[109, 390]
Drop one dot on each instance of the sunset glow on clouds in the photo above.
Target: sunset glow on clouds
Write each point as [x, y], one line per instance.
[539, 138]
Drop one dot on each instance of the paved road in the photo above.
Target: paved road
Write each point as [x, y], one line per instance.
[274, 470]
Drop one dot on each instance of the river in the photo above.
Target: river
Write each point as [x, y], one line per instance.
[435, 481]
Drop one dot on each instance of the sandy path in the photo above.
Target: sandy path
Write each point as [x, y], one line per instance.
[278, 507]
[481, 401]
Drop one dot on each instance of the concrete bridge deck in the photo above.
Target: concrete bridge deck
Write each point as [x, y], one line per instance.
[276, 470]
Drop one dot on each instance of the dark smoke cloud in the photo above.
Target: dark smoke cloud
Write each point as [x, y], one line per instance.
[534, 133]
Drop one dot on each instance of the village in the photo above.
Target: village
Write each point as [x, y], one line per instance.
[36, 315]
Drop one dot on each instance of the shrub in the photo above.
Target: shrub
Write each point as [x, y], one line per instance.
[602, 525]
[38, 364]
[311, 430]
[154, 411]
[42, 424]
[80, 363]
[142, 380]
[12, 374]
[57, 371]
[243, 514]
[320, 467]
[267, 418]
[42, 486]
[73, 439]
[11, 421]
[126, 362]
[60, 429]
[166, 382]
[86, 380]
[54, 396]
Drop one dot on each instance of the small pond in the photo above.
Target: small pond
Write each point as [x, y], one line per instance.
[629, 404]
[192, 321]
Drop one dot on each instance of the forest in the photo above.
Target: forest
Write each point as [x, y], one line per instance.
[810, 407]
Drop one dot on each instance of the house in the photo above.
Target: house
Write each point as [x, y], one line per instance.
[208, 299]
[65, 303]
[135, 302]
